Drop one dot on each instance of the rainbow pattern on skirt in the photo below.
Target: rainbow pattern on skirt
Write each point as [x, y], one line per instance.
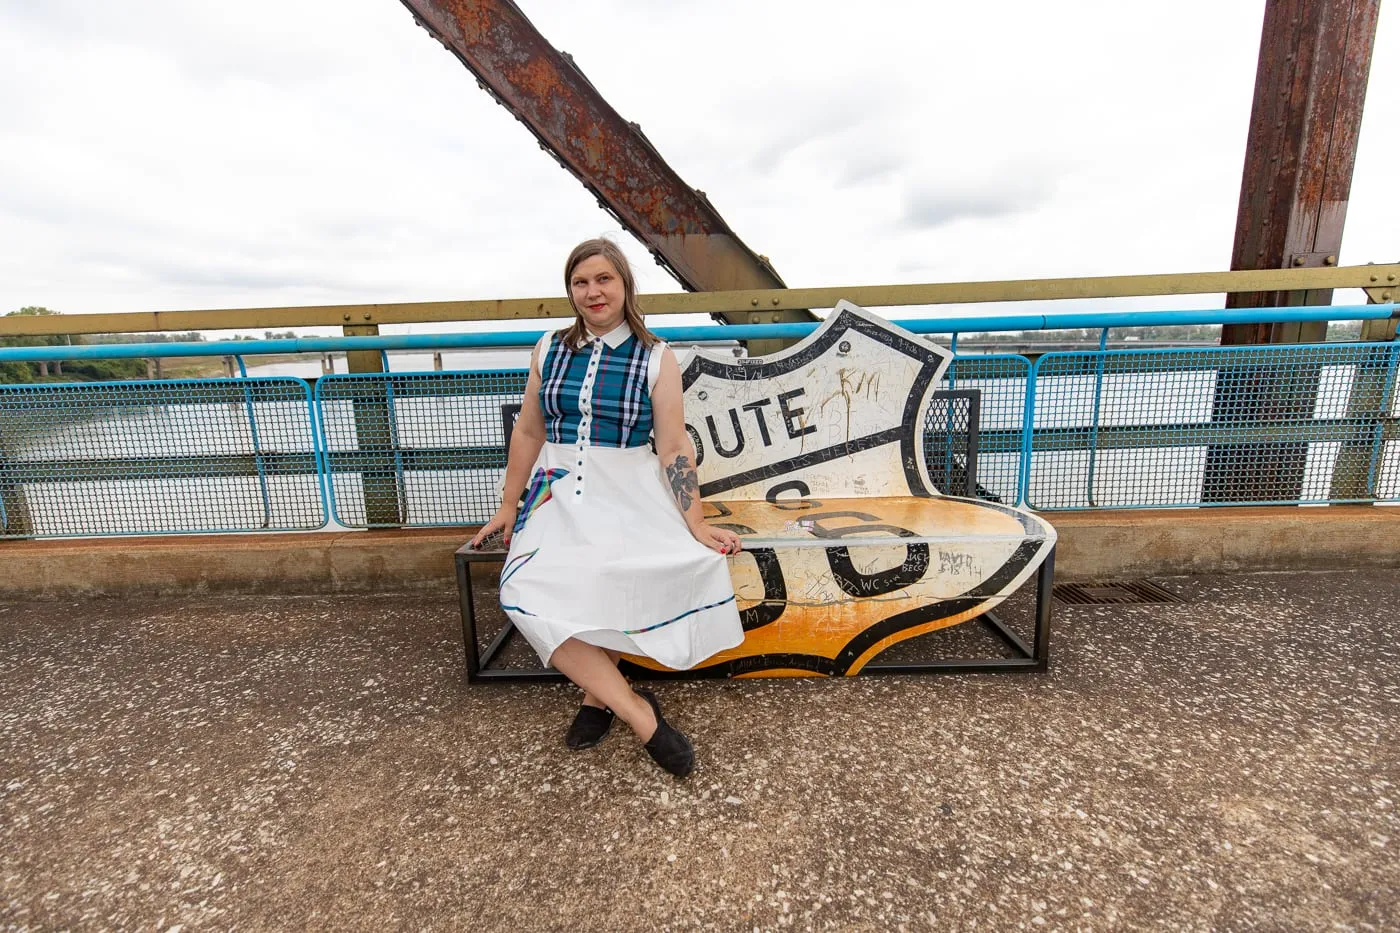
[538, 494]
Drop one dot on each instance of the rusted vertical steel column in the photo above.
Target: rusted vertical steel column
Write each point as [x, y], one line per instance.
[1314, 60]
[547, 92]
[1373, 386]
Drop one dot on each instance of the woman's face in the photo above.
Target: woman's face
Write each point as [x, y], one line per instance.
[598, 293]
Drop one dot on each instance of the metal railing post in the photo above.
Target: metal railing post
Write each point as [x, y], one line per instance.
[374, 434]
[258, 461]
[1094, 424]
[1028, 436]
[15, 519]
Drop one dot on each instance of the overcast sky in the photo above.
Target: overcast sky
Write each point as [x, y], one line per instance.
[169, 154]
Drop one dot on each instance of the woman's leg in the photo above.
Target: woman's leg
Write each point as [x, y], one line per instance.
[591, 668]
[588, 698]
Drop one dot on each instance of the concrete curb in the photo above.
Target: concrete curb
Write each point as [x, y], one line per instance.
[1140, 542]
[1093, 546]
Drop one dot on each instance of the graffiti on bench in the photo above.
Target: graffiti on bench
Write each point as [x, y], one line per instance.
[838, 414]
[816, 455]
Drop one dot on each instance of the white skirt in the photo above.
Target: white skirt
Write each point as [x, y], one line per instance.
[601, 553]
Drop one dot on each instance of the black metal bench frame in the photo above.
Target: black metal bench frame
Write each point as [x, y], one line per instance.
[1033, 657]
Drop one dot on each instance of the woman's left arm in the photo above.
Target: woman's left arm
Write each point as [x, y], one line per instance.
[678, 457]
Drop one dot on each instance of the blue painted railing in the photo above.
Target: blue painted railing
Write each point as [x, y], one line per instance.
[1280, 424]
[939, 324]
[1134, 428]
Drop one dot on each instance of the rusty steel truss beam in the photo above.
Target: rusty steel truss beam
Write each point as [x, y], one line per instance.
[547, 92]
[1314, 61]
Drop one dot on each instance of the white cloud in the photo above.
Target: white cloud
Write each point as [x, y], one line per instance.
[165, 155]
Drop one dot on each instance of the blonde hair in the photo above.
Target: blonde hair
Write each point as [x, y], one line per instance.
[631, 311]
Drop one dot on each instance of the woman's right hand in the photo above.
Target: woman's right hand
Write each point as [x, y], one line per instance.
[503, 521]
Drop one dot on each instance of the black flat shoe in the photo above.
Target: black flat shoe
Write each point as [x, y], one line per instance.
[589, 727]
[668, 747]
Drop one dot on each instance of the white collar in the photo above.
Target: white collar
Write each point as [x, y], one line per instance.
[613, 338]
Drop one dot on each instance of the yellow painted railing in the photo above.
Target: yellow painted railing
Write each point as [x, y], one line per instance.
[1381, 283]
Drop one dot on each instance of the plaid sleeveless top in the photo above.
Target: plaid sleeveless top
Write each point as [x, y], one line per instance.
[596, 394]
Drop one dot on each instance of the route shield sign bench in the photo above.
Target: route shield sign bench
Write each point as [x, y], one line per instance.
[818, 457]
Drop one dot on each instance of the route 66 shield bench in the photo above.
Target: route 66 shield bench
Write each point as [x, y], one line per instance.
[818, 457]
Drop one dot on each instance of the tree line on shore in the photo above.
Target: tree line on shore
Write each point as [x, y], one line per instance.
[86, 370]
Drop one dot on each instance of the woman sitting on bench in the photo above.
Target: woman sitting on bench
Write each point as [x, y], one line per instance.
[608, 552]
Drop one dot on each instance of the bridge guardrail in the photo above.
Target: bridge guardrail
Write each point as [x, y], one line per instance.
[159, 457]
[1279, 424]
[414, 449]
[1134, 428]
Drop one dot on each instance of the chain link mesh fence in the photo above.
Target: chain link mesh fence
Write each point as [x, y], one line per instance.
[1111, 429]
[1001, 380]
[198, 455]
[1226, 425]
[415, 449]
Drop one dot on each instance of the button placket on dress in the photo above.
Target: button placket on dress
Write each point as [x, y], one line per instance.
[585, 404]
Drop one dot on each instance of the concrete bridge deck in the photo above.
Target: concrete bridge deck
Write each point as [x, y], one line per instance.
[317, 762]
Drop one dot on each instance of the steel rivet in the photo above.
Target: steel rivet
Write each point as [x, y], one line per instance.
[777, 316]
[1331, 260]
[776, 302]
[1297, 260]
[1390, 278]
[1375, 278]
[367, 317]
[755, 301]
[346, 317]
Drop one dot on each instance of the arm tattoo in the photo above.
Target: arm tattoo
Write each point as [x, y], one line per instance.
[684, 484]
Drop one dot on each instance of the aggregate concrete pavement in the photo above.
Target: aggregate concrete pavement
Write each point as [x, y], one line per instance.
[317, 762]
